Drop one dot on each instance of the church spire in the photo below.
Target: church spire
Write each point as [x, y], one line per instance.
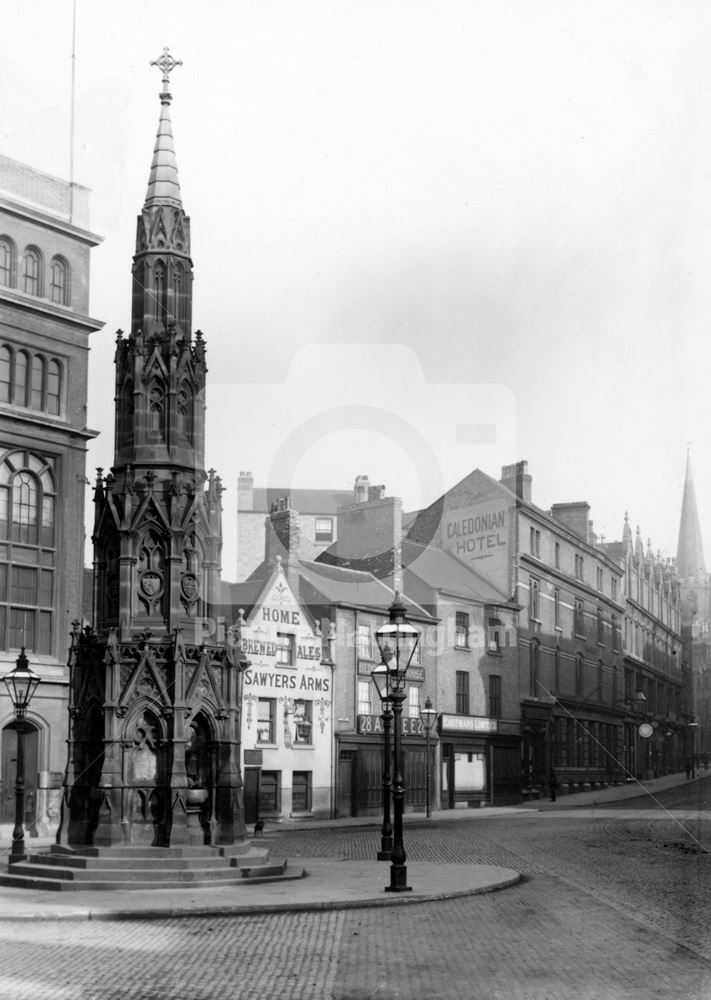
[690, 550]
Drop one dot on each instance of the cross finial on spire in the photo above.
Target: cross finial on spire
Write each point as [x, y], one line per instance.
[166, 64]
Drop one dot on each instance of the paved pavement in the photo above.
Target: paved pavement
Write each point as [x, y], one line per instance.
[329, 883]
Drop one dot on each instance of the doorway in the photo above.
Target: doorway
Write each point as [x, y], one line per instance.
[9, 773]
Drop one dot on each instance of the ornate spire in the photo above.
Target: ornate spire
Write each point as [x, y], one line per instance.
[163, 185]
[690, 550]
[162, 268]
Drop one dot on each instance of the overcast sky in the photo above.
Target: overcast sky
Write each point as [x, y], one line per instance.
[507, 205]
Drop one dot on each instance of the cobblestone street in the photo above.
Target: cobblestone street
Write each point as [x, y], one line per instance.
[609, 908]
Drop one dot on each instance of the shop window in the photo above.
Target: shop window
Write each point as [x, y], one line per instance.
[301, 791]
[303, 722]
[285, 649]
[265, 720]
[461, 630]
[494, 696]
[324, 529]
[462, 692]
[269, 792]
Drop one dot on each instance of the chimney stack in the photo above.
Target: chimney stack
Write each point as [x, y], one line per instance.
[283, 536]
[516, 478]
[245, 491]
[575, 516]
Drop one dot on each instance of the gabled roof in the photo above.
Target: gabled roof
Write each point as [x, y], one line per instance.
[319, 586]
[324, 502]
[425, 524]
[353, 588]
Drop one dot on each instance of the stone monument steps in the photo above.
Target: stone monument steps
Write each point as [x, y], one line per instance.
[146, 868]
[128, 863]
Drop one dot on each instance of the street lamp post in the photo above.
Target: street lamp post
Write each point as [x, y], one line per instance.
[21, 684]
[428, 715]
[397, 642]
[693, 726]
[381, 680]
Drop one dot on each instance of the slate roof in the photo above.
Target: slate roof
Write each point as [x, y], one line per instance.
[320, 586]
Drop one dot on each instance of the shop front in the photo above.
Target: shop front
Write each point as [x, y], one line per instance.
[360, 766]
[479, 765]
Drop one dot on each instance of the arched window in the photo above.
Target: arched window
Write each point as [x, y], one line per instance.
[27, 499]
[24, 508]
[37, 383]
[54, 387]
[155, 404]
[160, 291]
[59, 281]
[7, 262]
[5, 374]
[32, 271]
[22, 364]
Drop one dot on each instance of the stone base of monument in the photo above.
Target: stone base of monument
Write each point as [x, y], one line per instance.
[128, 867]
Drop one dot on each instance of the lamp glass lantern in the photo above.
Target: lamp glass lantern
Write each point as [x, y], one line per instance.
[427, 714]
[397, 641]
[21, 684]
[381, 679]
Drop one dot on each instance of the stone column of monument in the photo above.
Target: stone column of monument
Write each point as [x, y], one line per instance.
[157, 553]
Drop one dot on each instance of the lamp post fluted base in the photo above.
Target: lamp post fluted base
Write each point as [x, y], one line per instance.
[398, 879]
